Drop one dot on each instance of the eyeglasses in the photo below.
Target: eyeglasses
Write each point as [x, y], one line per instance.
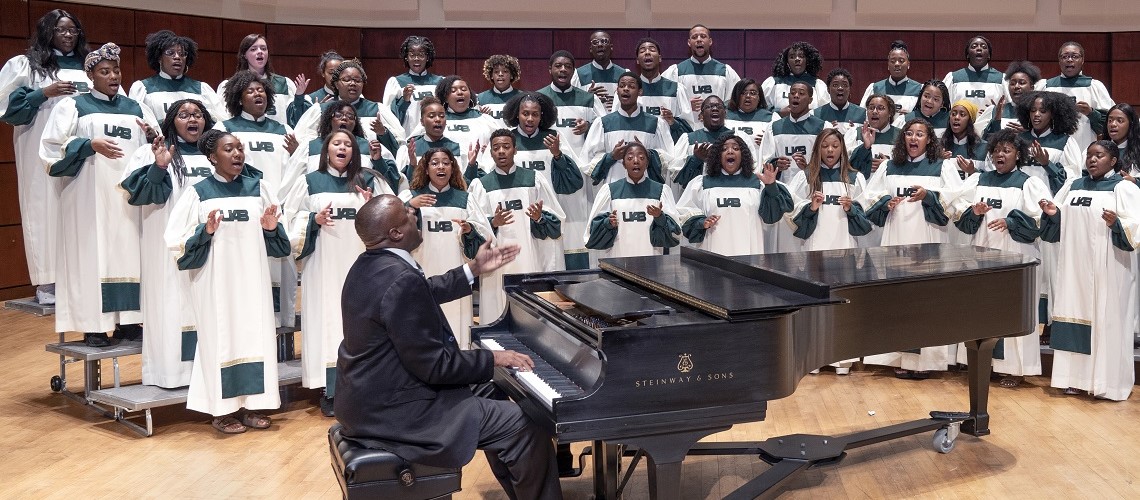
[340, 115]
[174, 53]
[357, 81]
[752, 93]
[186, 116]
[1071, 57]
[713, 106]
[598, 42]
[67, 31]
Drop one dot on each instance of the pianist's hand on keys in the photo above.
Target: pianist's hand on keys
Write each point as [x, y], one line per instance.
[512, 359]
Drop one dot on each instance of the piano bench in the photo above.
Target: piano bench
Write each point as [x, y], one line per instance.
[366, 473]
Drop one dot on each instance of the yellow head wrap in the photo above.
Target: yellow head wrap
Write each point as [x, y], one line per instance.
[971, 108]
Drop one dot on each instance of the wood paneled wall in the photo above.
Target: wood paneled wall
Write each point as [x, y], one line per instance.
[1112, 57]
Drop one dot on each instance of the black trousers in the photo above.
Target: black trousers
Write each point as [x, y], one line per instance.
[520, 453]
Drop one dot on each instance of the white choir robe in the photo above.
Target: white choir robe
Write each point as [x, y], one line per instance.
[1013, 196]
[367, 112]
[908, 224]
[167, 311]
[744, 205]
[982, 87]
[572, 104]
[787, 137]
[26, 108]
[467, 129]
[863, 160]
[408, 113]
[568, 182]
[775, 90]
[703, 79]
[1089, 90]
[593, 73]
[985, 125]
[98, 256]
[494, 101]
[1093, 307]
[307, 158]
[685, 165]
[445, 247]
[905, 93]
[160, 91]
[755, 125]
[284, 90]
[515, 191]
[326, 252]
[663, 93]
[235, 363]
[605, 133]
[637, 233]
[264, 141]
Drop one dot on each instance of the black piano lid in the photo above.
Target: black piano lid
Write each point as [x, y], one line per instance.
[612, 300]
[718, 285]
[863, 266]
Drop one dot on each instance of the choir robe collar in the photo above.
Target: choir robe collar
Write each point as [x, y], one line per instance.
[250, 117]
[163, 74]
[431, 187]
[804, 117]
[634, 114]
[603, 68]
[567, 90]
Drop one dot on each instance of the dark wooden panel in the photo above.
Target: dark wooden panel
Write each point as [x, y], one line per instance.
[15, 270]
[578, 43]
[12, 47]
[7, 149]
[876, 44]
[130, 70]
[1044, 46]
[951, 45]
[386, 42]
[674, 45]
[1126, 46]
[211, 69]
[1125, 85]
[472, 72]
[530, 44]
[9, 194]
[14, 22]
[535, 74]
[205, 31]
[17, 292]
[289, 66]
[294, 40]
[234, 31]
[766, 45]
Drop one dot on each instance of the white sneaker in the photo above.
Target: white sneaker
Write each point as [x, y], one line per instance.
[45, 295]
[840, 370]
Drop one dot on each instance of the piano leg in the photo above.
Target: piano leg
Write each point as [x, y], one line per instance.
[607, 461]
[979, 357]
[664, 455]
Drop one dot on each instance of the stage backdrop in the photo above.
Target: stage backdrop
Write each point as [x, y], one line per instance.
[1111, 57]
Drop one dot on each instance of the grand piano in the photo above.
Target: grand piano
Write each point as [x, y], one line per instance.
[652, 354]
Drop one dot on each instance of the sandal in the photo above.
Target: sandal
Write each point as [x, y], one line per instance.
[1072, 391]
[1009, 382]
[256, 421]
[228, 425]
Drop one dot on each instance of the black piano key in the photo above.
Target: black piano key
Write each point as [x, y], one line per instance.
[554, 378]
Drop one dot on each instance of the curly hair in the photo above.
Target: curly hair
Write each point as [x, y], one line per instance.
[1131, 154]
[712, 163]
[837, 72]
[170, 132]
[208, 143]
[899, 155]
[325, 126]
[326, 58]
[236, 86]
[1031, 70]
[353, 169]
[159, 41]
[561, 53]
[421, 41]
[443, 89]
[1007, 136]
[733, 103]
[643, 41]
[511, 63]
[891, 106]
[545, 105]
[1064, 111]
[246, 43]
[349, 64]
[40, 56]
[845, 168]
[972, 138]
[814, 60]
[940, 86]
[899, 45]
[420, 176]
[502, 132]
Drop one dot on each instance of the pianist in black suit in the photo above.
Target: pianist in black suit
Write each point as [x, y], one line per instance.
[403, 384]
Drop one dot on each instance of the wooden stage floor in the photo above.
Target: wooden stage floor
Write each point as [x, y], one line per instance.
[1043, 444]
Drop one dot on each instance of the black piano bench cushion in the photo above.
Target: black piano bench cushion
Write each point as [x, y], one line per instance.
[366, 473]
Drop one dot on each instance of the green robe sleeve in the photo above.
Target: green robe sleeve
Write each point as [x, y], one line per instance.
[565, 176]
[775, 201]
[694, 229]
[1119, 239]
[690, 171]
[23, 104]
[276, 242]
[471, 243]
[388, 170]
[679, 128]
[1022, 228]
[878, 212]
[806, 222]
[602, 170]
[663, 231]
[548, 226]
[311, 232]
[471, 173]
[150, 185]
[1097, 120]
[197, 249]
[297, 109]
[389, 142]
[1056, 176]
[602, 234]
[857, 222]
[1051, 227]
[969, 222]
[861, 160]
[400, 108]
[932, 210]
[74, 154]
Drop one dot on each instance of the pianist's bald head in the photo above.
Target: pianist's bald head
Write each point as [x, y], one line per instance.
[384, 222]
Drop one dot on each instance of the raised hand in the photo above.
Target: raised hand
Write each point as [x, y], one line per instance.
[502, 217]
[1109, 217]
[782, 163]
[1039, 154]
[464, 226]
[374, 151]
[701, 150]
[290, 143]
[917, 193]
[302, 83]
[213, 219]
[966, 165]
[613, 219]
[667, 114]
[366, 193]
[553, 144]
[581, 127]
[491, 258]
[473, 152]
[163, 155]
[868, 134]
[767, 175]
[999, 109]
[378, 126]
[845, 203]
[412, 151]
[653, 210]
[324, 217]
[269, 218]
[980, 208]
[801, 160]
[619, 150]
[816, 200]
[1048, 207]
[148, 130]
[408, 89]
[1084, 108]
[107, 147]
[423, 200]
[59, 88]
[534, 211]
[695, 104]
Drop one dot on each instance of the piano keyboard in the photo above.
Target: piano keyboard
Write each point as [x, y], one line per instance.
[545, 381]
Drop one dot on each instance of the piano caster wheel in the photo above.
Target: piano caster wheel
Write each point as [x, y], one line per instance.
[56, 383]
[945, 438]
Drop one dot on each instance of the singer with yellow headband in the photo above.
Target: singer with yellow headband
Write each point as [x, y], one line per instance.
[962, 146]
[88, 141]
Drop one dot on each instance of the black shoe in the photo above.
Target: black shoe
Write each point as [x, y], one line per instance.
[327, 407]
[566, 461]
[99, 339]
[129, 332]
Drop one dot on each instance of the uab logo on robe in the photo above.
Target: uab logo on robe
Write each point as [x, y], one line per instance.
[261, 146]
[905, 192]
[117, 131]
[745, 130]
[728, 202]
[344, 213]
[791, 150]
[702, 89]
[534, 165]
[567, 123]
[633, 216]
[458, 127]
[420, 95]
[976, 93]
[992, 202]
[196, 171]
[1081, 201]
[235, 215]
[497, 114]
[443, 226]
[511, 205]
[831, 199]
[653, 110]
